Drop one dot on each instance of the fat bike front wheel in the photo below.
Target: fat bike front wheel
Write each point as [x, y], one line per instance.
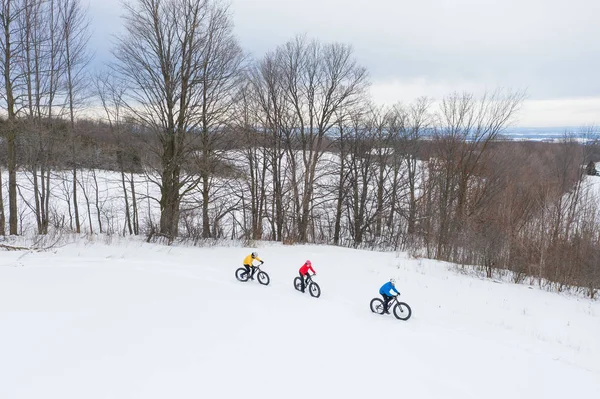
[402, 311]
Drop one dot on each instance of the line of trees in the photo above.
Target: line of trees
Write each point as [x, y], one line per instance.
[286, 148]
[43, 63]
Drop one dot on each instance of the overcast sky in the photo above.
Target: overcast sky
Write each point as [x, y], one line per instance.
[432, 47]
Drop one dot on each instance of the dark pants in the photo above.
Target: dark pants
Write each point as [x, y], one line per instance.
[386, 300]
[250, 271]
[302, 283]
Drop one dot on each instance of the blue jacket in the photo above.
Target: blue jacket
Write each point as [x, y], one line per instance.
[386, 288]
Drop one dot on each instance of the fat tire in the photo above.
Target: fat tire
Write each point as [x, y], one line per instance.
[263, 278]
[376, 306]
[314, 289]
[241, 274]
[402, 311]
[297, 284]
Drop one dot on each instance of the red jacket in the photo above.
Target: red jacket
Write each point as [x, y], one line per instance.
[305, 268]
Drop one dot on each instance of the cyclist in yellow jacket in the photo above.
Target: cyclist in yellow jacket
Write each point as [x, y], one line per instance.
[249, 263]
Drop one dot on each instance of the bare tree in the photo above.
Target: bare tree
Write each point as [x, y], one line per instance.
[111, 96]
[419, 121]
[220, 64]
[342, 177]
[468, 126]
[276, 118]
[2, 217]
[41, 39]
[76, 33]
[256, 154]
[362, 174]
[383, 151]
[178, 59]
[10, 57]
[317, 81]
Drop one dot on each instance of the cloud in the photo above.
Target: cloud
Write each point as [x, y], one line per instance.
[422, 47]
[574, 112]
[567, 111]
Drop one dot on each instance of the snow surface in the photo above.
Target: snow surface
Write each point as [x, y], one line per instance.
[135, 320]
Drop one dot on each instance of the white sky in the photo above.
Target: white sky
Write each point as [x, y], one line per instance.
[432, 47]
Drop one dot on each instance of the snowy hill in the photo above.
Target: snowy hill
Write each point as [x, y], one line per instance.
[134, 320]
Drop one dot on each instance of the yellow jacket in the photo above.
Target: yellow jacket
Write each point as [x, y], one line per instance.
[248, 260]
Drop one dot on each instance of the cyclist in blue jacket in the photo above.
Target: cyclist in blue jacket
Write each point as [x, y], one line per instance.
[386, 292]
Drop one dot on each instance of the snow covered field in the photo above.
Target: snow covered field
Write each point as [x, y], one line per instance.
[134, 320]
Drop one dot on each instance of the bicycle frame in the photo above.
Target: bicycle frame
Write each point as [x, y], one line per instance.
[392, 302]
[257, 267]
[253, 272]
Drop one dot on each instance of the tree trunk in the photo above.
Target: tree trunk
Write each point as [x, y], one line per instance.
[205, 201]
[126, 199]
[136, 228]
[2, 217]
[12, 178]
[8, 18]
[169, 201]
[97, 194]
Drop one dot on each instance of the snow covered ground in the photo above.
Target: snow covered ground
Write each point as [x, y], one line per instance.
[135, 320]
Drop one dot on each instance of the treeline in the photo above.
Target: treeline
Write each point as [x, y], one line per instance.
[287, 148]
[43, 60]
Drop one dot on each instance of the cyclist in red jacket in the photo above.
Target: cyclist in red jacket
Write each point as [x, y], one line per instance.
[304, 271]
